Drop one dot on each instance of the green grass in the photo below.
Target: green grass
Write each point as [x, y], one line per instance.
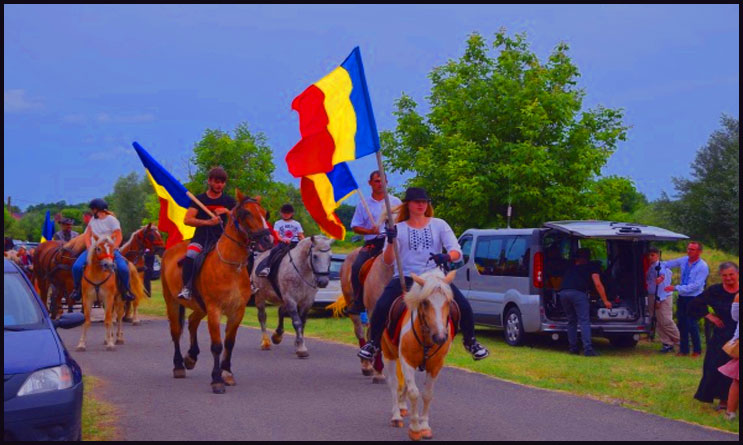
[98, 416]
[638, 378]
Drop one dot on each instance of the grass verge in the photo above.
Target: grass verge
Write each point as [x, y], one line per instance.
[98, 416]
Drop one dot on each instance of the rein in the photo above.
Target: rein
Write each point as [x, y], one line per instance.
[312, 265]
[250, 236]
[426, 348]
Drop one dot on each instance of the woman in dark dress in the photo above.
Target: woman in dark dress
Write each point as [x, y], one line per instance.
[720, 298]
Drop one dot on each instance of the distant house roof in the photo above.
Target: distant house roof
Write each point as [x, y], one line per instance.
[17, 216]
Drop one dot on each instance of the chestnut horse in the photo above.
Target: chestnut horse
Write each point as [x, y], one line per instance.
[53, 262]
[223, 288]
[424, 341]
[146, 238]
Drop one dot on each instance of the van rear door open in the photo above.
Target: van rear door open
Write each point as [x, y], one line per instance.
[614, 230]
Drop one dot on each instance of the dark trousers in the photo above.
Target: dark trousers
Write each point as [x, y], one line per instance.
[393, 290]
[149, 264]
[576, 306]
[688, 326]
[371, 248]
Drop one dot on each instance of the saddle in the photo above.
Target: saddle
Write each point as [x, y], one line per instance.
[397, 315]
[198, 262]
[273, 260]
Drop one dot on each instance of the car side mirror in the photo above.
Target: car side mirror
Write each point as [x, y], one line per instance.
[69, 321]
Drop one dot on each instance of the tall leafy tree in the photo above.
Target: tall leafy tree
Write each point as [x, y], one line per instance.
[709, 204]
[127, 201]
[504, 128]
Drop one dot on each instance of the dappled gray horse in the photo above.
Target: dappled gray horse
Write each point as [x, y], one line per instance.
[301, 272]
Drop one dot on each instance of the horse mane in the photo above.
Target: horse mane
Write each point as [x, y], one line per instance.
[131, 238]
[94, 243]
[383, 216]
[434, 279]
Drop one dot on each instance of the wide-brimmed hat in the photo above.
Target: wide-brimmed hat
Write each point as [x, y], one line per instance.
[416, 194]
[69, 221]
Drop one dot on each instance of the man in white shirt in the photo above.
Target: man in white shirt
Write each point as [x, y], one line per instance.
[370, 228]
[657, 279]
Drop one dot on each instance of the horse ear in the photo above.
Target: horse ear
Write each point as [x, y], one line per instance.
[258, 198]
[149, 225]
[313, 239]
[450, 277]
[238, 194]
[418, 279]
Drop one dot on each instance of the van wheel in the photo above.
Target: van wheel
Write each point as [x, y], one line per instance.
[623, 341]
[514, 332]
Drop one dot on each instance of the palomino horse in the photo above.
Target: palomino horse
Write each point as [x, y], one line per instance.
[146, 238]
[53, 262]
[424, 341]
[304, 269]
[223, 288]
[99, 284]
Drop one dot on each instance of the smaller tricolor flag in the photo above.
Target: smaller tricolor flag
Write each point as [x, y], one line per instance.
[323, 193]
[47, 230]
[173, 196]
[335, 119]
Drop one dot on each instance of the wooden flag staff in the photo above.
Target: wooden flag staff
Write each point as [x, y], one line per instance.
[389, 220]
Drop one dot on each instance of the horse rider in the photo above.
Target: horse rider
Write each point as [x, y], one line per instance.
[103, 223]
[365, 225]
[289, 232]
[66, 233]
[422, 238]
[208, 230]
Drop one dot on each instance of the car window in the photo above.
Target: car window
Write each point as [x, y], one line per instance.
[465, 243]
[335, 269]
[19, 305]
[516, 255]
[488, 254]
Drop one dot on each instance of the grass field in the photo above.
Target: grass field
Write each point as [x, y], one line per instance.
[99, 418]
[638, 378]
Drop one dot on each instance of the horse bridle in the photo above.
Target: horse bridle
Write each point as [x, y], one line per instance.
[426, 330]
[141, 237]
[252, 237]
[312, 266]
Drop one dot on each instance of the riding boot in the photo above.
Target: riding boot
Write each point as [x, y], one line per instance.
[76, 294]
[187, 275]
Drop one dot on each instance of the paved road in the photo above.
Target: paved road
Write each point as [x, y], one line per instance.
[325, 397]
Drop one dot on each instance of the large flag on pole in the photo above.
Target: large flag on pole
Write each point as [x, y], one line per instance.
[335, 119]
[47, 230]
[173, 196]
[322, 193]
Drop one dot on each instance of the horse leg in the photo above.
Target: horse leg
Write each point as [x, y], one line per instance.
[193, 328]
[230, 333]
[265, 343]
[120, 312]
[279, 333]
[427, 396]
[135, 316]
[301, 350]
[358, 329]
[175, 316]
[213, 317]
[108, 304]
[408, 373]
[392, 383]
[128, 315]
[81, 346]
[378, 367]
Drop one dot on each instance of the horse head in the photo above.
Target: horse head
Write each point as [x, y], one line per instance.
[102, 251]
[431, 298]
[152, 239]
[319, 260]
[249, 218]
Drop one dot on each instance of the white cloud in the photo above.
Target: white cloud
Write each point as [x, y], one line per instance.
[16, 101]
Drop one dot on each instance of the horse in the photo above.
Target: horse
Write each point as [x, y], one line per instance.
[53, 262]
[99, 284]
[146, 238]
[222, 288]
[301, 272]
[424, 342]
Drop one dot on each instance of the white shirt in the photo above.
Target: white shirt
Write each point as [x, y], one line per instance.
[650, 280]
[417, 245]
[288, 229]
[104, 226]
[361, 217]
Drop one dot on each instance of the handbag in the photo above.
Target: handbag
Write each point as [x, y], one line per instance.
[731, 348]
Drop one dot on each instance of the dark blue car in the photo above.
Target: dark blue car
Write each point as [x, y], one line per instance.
[43, 384]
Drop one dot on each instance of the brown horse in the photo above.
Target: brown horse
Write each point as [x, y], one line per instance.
[53, 262]
[222, 288]
[424, 341]
[146, 238]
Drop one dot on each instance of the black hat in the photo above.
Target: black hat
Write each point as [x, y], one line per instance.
[99, 204]
[69, 221]
[287, 208]
[416, 194]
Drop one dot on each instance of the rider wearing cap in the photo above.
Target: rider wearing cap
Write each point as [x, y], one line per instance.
[208, 229]
[422, 238]
[104, 223]
[289, 233]
[66, 233]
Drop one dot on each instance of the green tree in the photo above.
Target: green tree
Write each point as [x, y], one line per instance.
[246, 157]
[345, 213]
[709, 204]
[502, 129]
[281, 193]
[128, 202]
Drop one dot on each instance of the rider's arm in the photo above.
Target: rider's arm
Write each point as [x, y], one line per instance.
[362, 231]
[117, 236]
[600, 289]
[389, 254]
[86, 236]
[454, 255]
[191, 220]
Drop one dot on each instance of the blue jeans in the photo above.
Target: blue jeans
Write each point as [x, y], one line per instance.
[576, 306]
[122, 268]
[687, 326]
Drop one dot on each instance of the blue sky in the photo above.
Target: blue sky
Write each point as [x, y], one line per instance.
[82, 82]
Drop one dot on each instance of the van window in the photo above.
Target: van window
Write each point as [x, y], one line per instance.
[466, 246]
[517, 255]
[488, 254]
[598, 250]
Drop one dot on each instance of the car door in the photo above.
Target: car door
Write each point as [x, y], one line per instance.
[464, 266]
[484, 295]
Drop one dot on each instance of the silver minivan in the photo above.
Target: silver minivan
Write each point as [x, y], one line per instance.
[511, 277]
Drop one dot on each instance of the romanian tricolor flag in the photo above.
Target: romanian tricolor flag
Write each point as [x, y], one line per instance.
[174, 200]
[47, 230]
[322, 193]
[335, 119]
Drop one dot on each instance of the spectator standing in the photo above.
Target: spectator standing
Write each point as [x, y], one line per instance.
[657, 279]
[694, 273]
[731, 369]
[719, 297]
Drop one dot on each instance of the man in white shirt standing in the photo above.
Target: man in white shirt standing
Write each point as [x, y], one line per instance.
[370, 228]
[657, 279]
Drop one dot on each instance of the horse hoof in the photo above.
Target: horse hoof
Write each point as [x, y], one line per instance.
[396, 423]
[218, 388]
[179, 373]
[415, 435]
[136, 323]
[127, 319]
[229, 380]
[265, 345]
[276, 339]
[120, 341]
[403, 412]
[379, 379]
[303, 354]
[80, 348]
[109, 348]
[367, 372]
[427, 434]
[189, 362]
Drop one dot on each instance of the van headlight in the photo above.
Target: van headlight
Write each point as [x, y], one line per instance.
[50, 379]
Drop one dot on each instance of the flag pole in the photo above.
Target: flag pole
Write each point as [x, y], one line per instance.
[366, 207]
[389, 220]
[200, 204]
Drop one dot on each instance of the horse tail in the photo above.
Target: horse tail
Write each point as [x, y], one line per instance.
[136, 284]
[338, 306]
